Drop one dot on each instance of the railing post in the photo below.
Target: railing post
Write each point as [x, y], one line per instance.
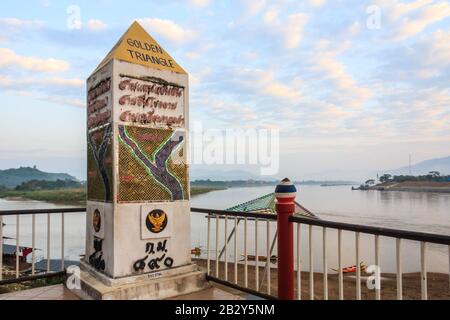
[1, 247]
[285, 193]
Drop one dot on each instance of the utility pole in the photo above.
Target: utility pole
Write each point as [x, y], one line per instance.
[410, 164]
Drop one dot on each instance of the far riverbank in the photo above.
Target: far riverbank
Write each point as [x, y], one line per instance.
[72, 196]
[413, 186]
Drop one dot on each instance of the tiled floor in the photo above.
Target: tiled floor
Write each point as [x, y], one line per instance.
[208, 294]
[56, 292]
[59, 292]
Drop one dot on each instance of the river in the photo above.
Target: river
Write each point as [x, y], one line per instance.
[419, 211]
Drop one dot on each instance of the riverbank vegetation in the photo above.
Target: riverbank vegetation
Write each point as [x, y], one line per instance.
[63, 196]
[431, 182]
[66, 192]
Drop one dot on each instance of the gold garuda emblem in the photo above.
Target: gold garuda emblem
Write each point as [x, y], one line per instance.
[156, 221]
[96, 220]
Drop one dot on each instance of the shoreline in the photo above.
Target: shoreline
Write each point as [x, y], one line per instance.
[416, 189]
[412, 188]
[60, 196]
[409, 186]
[16, 198]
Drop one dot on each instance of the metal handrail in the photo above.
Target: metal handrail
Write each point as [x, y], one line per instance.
[33, 278]
[243, 214]
[398, 234]
[240, 288]
[237, 216]
[394, 233]
[39, 211]
[33, 212]
[388, 232]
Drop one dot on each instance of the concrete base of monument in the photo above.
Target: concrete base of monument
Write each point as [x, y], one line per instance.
[151, 286]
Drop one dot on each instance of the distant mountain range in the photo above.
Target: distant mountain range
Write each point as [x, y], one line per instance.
[13, 177]
[202, 173]
[437, 164]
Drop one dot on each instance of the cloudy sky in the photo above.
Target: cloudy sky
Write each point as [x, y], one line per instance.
[353, 86]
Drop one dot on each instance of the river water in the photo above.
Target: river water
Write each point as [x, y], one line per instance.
[419, 211]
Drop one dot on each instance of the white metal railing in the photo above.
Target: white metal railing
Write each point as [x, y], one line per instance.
[19, 274]
[398, 235]
[232, 228]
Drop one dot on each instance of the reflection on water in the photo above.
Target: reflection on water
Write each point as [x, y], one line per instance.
[425, 212]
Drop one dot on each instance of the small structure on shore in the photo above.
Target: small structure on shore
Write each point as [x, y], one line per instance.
[263, 205]
[266, 204]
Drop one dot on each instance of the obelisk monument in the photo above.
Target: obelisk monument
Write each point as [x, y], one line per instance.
[138, 213]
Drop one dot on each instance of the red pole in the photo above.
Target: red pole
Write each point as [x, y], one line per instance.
[285, 193]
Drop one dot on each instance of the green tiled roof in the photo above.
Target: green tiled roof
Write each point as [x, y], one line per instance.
[266, 204]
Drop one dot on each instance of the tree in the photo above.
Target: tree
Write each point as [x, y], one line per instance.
[385, 177]
[434, 174]
[370, 182]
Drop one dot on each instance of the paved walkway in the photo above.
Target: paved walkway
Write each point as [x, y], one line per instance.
[59, 292]
[56, 292]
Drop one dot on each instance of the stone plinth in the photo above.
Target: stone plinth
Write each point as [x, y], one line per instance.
[151, 286]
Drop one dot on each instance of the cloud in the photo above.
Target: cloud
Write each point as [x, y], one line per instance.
[200, 50]
[9, 27]
[264, 82]
[290, 29]
[46, 3]
[271, 15]
[8, 58]
[96, 25]
[427, 16]
[324, 62]
[394, 10]
[229, 111]
[64, 100]
[200, 3]
[409, 19]
[53, 98]
[30, 81]
[437, 49]
[422, 64]
[294, 26]
[195, 77]
[354, 29]
[253, 7]
[20, 23]
[56, 90]
[317, 3]
[167, 29]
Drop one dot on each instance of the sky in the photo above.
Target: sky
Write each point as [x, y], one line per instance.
[353, 87]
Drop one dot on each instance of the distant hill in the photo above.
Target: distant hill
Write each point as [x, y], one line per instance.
[13, 177]
[437, 164]
[205, 173]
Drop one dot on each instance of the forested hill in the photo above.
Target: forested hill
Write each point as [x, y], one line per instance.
[13, 177]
